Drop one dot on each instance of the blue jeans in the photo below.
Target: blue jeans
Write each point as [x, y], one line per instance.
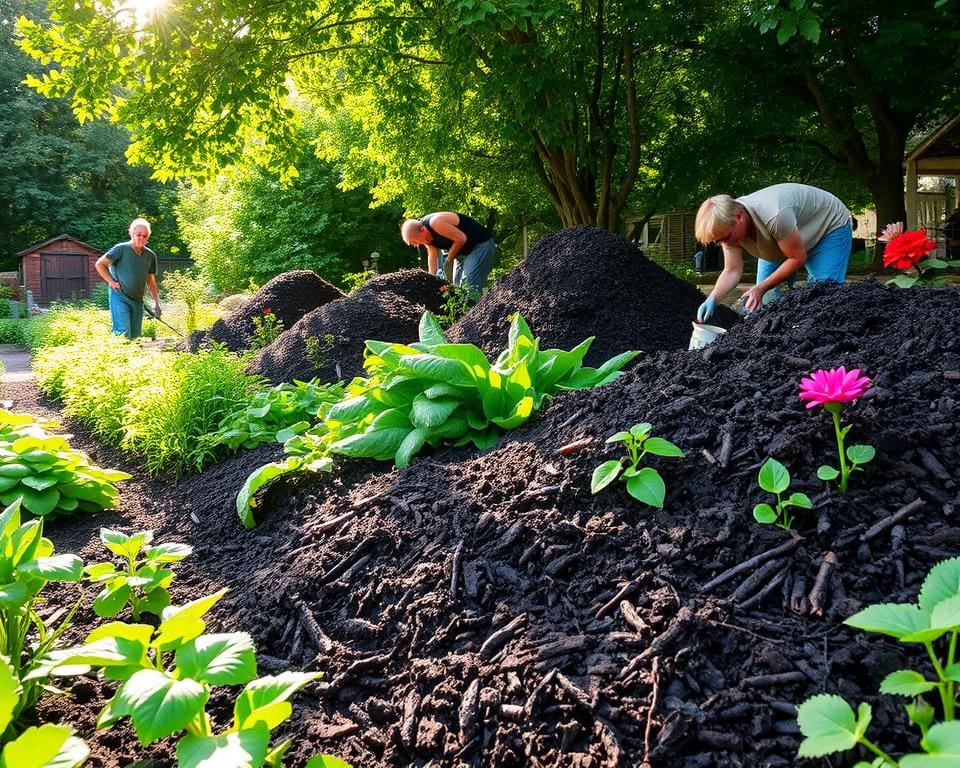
[472, 270]
[126, 315]
[827, 260]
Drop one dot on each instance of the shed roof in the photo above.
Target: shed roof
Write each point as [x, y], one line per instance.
[38, 246]
[938, 153]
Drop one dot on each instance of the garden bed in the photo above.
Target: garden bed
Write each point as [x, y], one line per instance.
[469, 610]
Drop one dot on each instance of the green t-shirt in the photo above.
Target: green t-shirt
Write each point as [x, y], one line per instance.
[130, 269]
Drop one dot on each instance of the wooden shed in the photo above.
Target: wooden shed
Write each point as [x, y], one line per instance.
[59, 268]
[937, 154]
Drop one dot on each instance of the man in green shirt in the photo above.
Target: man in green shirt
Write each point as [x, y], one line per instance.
[130, 269]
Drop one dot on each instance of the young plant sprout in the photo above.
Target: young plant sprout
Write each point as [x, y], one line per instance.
[643, 483]
[775, 479]
[832, 389]
[829, 724]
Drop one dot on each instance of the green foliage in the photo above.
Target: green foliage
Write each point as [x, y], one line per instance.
[457, 301]
[66, 323]
[643, 483]
[851, 458]
[188, 290]
[166, 674]
[354, 281]
[774, 478]
[46, 474]
[929, 272]
[829, 724]
[153, 403]
[266, 329]
[318, 348]
[27, 564]
[275, 415]
[13, 332]
[144, 579]
[434, 392]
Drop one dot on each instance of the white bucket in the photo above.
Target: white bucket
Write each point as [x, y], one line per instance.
[703, 334]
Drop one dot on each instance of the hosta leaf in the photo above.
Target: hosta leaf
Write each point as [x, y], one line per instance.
[436, 368]
[239, 749]
[375, 444]
[40, 482]
[906, 682]
[431, 413]
[9, 696]
[520, 414]
[157, 704]
[773, 477]
[647, 486]
[894, 619]
[942, 742]
[605, 474]
[410, 447]
[257, 479]
[430, 332]
[46, 746]
[829, 725]
[660, 447]
[941, 583]
[12, 594]
[42, 502]
[218, 659]
[112, 598]
[265, 699]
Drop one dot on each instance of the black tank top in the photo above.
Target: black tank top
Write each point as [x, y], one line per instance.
[475, 231]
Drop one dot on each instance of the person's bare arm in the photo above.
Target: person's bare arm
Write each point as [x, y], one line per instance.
[102, 264]
[792, 248]
[432, 257]
[731, 274]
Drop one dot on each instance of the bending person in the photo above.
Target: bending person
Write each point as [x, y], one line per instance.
[469, 246]
[130, 269]
[785, 226]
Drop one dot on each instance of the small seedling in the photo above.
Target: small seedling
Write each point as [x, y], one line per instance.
[144, 581]
[774, 478]
[643, 483]
[829, 724]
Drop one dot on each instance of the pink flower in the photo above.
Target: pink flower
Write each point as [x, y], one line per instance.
[890, 231]
[834, 386]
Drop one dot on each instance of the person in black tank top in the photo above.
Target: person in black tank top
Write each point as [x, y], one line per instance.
[468, 245]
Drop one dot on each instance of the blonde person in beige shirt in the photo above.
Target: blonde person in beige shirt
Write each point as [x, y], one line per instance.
[786, 227]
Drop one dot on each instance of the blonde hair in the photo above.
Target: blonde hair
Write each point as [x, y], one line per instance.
[139, 223]
[716, 214]
[410, 227]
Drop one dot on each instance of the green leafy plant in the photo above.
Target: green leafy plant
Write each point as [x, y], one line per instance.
[318, 348]
[829, 724]
[274, 415]
[457, 300]
[774, 478]
[643, 483]
[44, 746]
[166, 674]
[27, 565]
[434, 392]
[143, 581]
[188, 290]
[47, 474]
[908, 251]
[266, 329]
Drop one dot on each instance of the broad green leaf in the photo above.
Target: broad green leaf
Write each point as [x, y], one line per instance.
[40, 503]
[218, 659]
[619, 437]
[641, 430]
[660, 447]
[168, 553]
[897, 620]
[520, 414]
[112, 598]
[941, 583]
[13, 593]
[292, 431]
[410, 447]
[239, 749]
[589, 377]
[605, 474]
[257, 479]
[40, 482]
[946, 614]
[9, 695]
[906, 682]
[827, 473]
[902, 281]
[431, 413]
[829, 725]
[800, 500]
[647, 486]
[942, 742]
[436, 368]
[773, 476]
[265, 699]
[46, 746]
[102, 652]
[326, 761]
[430, 331]
[158, 705]
[55, 568]
[380, 444]
[764, 513]
[861, 454]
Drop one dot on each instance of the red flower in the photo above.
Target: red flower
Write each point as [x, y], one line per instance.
[904, 251]
[444, 288]
[267, 311]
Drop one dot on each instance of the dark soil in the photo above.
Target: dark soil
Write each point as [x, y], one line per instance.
[487, 610]
[387, 308]
[288, 296]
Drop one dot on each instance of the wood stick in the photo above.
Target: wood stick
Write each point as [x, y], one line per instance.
[711, 459]
[754, 561]
[631, 616]
[818, 593]
[769, 681]
[455, 570]
[576, 445]
[896, 517]
[576, 416]
[775, 582]
[654, 703]
[757, 579]
[624, 592]
[726, 449]
[492, 645]
[312, 628]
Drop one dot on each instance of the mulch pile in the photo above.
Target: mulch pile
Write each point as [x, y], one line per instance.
[288, 296]
[487, 610]
[386, 308]
[583, 282]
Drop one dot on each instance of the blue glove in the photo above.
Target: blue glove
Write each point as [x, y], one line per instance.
[440, 273]
[706, 310]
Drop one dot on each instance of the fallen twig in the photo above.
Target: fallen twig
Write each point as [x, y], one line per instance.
[497, 640]
[455, 570]
[817, 595]
[624, 592]
[896, 517]
[576, 445]
[654, 703]
[312, 628]
[754, 561]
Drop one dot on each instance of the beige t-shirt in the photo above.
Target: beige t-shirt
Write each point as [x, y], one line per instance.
[779, 209]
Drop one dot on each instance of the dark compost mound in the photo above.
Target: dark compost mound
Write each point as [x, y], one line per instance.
[387, 308]
[487, 610]
[288, 296]
[581, 282]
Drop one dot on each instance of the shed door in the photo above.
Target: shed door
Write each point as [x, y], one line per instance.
[64, 276]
